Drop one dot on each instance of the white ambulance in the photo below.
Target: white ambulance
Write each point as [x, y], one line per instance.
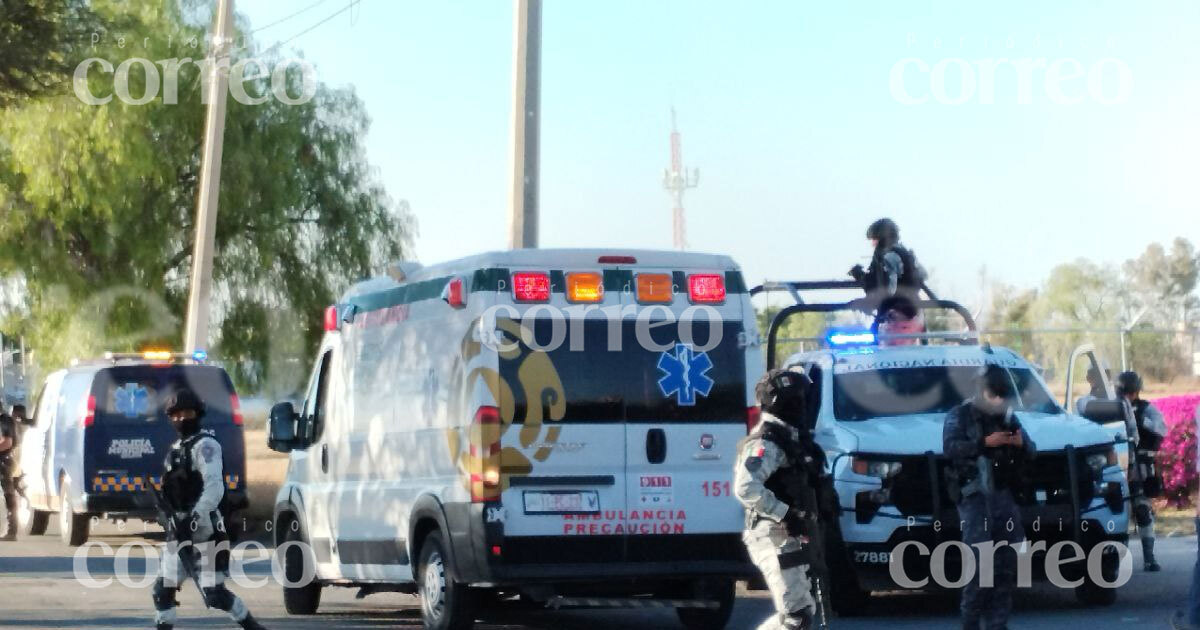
[551, 425]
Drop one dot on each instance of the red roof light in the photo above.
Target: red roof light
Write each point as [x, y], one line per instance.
[706, 288]
[531, 287]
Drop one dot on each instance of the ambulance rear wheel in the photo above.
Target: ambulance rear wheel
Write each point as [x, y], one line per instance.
[73, 528]
[723, 592]
[1091, 593]
[31, 522]
[445, 604]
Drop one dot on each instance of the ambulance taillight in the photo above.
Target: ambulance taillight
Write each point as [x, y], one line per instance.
[89, 412]
[753, 417]
[331, 319]
[236, 407]
[485, 452]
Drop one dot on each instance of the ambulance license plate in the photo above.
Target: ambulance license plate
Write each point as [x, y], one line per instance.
[562, 502]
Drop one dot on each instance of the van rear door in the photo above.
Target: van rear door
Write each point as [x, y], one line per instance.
[131, 435]
[564, 452]
[685, 399]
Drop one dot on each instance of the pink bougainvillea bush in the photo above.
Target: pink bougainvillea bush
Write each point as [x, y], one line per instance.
[1178, 455]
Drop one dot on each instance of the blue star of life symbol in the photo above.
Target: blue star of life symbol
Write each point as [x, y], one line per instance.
[684, 374]
[131, 400]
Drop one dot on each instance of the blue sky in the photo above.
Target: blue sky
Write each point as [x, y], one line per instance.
[788, 110]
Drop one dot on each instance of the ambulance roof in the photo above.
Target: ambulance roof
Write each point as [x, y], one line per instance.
[535, 259]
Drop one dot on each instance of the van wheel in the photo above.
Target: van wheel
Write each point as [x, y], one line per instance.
[445, 604]
[30, 522]
[724, 592]
[300, 600]
[72, 528]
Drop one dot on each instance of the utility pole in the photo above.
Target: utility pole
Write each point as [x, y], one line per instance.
[196, 332]
[526, 121]
[676, 180]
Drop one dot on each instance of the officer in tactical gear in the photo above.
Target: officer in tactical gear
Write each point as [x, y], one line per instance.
[894, 269]
[8, 466]
[988, 451]
[1144, 477]
[780, 478]
[193, 486]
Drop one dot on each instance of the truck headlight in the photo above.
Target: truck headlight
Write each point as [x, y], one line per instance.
[875, 468]
[1099, 461]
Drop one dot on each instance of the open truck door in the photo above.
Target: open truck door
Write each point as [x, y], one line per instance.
[1101, 407]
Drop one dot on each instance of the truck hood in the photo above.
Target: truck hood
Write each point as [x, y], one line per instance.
[915, 435]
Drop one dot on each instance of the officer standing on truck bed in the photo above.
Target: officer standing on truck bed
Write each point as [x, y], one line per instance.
[193, 484]
[987, 449]
[894, 269]
[1144, 479]
[780, 478]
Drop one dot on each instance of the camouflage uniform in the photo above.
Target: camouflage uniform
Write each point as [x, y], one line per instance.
[782, 556]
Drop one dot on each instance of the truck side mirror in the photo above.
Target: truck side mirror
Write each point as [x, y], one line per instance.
[281, 434]
[1104, 411]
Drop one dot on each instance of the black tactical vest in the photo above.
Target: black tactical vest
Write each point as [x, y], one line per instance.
[909, 278]
[1147, 440]
[792, 483]
[182, 483]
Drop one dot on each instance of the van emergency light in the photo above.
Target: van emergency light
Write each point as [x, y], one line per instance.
[585, 286]
[851, 338]
[655, 288]
[161, 356]
[531, 287]
[706, 288]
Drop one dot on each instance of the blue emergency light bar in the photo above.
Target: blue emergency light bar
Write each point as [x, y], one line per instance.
[200, 356]
[851, 338]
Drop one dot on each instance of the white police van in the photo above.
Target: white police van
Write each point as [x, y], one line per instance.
[551, 425]
[883, 402]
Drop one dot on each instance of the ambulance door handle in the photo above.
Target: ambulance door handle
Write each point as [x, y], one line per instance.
[656, 446]
[324, 458]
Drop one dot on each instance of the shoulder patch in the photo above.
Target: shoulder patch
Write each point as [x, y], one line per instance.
[760, 451]
[753, 464]
[208, 452]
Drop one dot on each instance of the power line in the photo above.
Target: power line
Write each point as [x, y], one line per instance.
[349, 5]
[288, 17]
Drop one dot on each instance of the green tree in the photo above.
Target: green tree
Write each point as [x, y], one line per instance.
[99, 203]
[41, 41]
[1010, 316]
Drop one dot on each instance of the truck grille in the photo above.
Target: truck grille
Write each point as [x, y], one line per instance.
[1045, 481]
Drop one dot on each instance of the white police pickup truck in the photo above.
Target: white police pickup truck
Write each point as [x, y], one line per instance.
[880, 417]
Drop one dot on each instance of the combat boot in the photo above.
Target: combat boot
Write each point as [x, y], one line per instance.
[250, 623]
[798, 621]
[1148, 555]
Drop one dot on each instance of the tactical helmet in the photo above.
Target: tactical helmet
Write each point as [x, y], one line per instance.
[784, 394]
[885, 231]
[1129, 383]
[185, 399]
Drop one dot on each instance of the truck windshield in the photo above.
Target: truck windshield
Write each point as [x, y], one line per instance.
[922, 390]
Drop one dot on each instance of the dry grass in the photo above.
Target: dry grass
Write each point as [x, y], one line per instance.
[1174, 521]
[265, 471]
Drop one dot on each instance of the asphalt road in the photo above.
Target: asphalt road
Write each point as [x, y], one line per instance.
[38, 589]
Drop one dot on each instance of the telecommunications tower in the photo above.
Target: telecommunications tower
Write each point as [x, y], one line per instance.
[676, 179]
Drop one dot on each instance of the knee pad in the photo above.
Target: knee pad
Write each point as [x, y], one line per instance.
[218, 597]
[163, 595]
[1142, 515]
